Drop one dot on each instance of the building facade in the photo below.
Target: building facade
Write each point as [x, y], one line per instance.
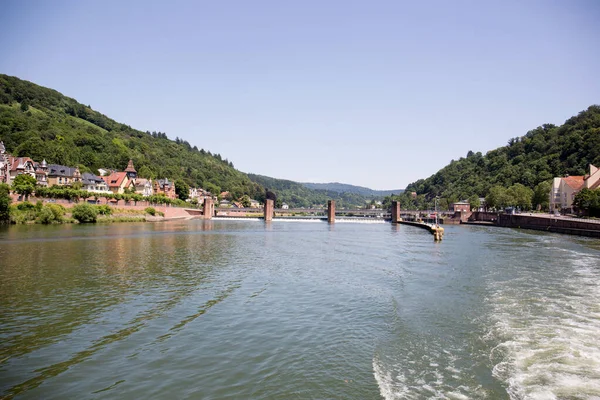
[565, 189]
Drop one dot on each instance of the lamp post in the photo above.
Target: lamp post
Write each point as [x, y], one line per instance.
[435, 202]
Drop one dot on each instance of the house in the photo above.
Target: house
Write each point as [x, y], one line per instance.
[199, 195]
[94, 183]
[461, 206]
[254, 203]
[143, 186]
[4, 165]
[224, 203]
[18, 166]
[285, 206]
[41, 173]
[61, 175]
[117, 182]
[164, 187]
[563, 190]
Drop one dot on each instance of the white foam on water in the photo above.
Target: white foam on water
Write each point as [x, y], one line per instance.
[429, 380]
[548, 332]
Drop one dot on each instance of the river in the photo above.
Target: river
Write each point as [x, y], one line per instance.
[297, 310]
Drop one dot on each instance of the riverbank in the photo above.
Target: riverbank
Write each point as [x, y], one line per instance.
[49, 211]
[539, 222]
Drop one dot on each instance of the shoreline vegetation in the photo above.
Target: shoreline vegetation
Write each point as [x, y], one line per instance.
[27, 213]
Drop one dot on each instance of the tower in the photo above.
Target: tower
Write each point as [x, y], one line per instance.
[130, 170]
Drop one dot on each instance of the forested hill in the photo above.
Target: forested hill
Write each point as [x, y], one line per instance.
[543, 153]
[297, 195]
[346, 188]
[41, 123]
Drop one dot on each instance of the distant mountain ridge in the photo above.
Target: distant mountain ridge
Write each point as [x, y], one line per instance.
[347, 188]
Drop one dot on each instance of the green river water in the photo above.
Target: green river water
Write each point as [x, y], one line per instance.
[296, 310]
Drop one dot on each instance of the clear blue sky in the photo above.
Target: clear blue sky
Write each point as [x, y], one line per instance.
[377, 94]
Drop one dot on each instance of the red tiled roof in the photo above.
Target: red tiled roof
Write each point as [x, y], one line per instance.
[115, 179]
[16, 161]
[575, 182]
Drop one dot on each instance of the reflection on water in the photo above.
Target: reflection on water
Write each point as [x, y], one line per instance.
[243, 309]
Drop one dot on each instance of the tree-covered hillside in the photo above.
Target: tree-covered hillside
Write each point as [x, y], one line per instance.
[298, 195]
[42, 123]
[346, 188]
[543, 153]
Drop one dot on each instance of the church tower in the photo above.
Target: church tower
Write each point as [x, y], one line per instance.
[131, 172]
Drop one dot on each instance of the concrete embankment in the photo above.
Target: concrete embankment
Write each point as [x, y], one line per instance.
[550, 224]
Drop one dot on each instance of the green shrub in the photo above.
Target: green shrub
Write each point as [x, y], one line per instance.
[56, 213]
[45, 216]
[22, 215]
[25, 206]
[38, 205]
[150, 210]
[104, 209]
[84, 213]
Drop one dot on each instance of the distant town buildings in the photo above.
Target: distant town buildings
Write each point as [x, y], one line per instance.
[115, 182]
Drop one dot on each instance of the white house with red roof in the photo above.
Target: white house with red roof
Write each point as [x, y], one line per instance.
[564, 189]
[117, 182]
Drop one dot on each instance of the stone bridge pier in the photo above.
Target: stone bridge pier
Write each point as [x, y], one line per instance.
[331, 211]
[268, 210]
[396, 212]
[208, 208]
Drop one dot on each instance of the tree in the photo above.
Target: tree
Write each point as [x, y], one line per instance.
[474, 202]
[246, 201]
[84, 213]
[587, 202]
[541, 195]
[24, 105]
[496, 197]
[4, 203]
[182, 189]
[521, 196]
[24, 184]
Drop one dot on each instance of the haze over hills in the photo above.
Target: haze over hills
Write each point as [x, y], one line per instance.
[298, 194]
[347, 188]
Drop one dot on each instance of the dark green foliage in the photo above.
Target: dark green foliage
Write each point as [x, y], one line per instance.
[104, 209]
[25, 206]
[543, 153]
[150, 211]
[24, 184]
[182, 189]
[51, 213]
[84, 213]
[65, 132]
[5, 201]
[587, 202]
[541, 195]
